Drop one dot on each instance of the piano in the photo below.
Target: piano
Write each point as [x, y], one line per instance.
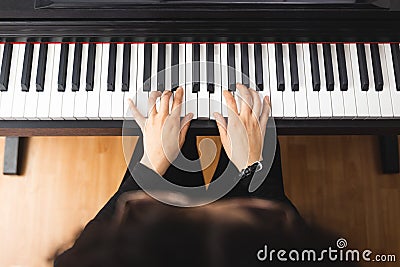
[67, 67]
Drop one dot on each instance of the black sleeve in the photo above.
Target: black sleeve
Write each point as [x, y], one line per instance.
[127, 185]
[106, 213]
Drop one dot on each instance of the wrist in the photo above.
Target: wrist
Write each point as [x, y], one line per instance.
[157, 166]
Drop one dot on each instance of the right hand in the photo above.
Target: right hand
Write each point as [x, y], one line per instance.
[243, 136]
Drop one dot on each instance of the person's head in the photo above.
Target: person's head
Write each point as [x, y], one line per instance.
[227, 233]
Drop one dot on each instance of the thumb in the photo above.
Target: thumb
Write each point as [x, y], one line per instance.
[185, 123]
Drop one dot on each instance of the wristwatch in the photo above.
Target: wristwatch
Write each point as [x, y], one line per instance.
[250, 170]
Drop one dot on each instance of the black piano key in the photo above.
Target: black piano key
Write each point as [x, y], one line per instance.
[376, 64]
[27, 67]
[111, 67]
[41, 70]
[62, 69]
[5, 67]
[244, 51]
[161, 68]
[76, 71]
[90, 67]
[174, 67]
[126, 66]
[294, 71]
[341, 59]
[259, 67]
[210, 68]
[196, 68]
[362, 64]
[396, 63]
[315, 67]
[147, 67]
[280, 75]
[231, 68]
[330, 83]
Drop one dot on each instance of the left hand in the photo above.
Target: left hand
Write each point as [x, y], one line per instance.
[163, 133]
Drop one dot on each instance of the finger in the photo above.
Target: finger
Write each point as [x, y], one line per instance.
[256, 103]
[185, 123]
[221, 124]
[164, 105]
[265, 114]
[230, 102]
[152, 102]
[246, 97]
[139, 118]
[177, 103]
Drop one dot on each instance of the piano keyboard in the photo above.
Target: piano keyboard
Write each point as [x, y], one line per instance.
[81, 81]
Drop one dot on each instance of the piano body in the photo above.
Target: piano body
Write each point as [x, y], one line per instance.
[329, 67]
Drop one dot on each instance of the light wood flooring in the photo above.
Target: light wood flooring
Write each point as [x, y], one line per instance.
[334, 182]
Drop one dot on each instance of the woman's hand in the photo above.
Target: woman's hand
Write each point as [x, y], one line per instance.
[163, 133]
[243, 135]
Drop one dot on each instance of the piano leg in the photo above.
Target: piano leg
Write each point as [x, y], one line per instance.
[389, 149]
[13, 151]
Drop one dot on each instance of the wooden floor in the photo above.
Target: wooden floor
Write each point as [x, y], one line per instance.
[334, 181]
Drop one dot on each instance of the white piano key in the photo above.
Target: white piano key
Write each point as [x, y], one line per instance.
[215, 98]
[168, 62]
[325, 103]
[154, 67]
[18, 107]
[360, 95]
[301, 95]
[336, 94]
[93, 101]
[105, 95]
[238, 74]
[142, 97]
[154, 71]
[31, 100]
[182, 74]
[395, 95]
[289, 104]
[167, 73]
[191, 98]
[203, 97]
[224, 77]
[384, 96]
[349, 99]
[7, 96]
[69, 95]
[44, 97]
[374, 108]
[131, 94]
[238, 63]
[117, 97]
[81, 96]
[252, 67]
[276, 96]
[56, 97]
[312, 96]
[266, 73]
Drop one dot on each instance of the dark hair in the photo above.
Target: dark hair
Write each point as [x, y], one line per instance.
[230, 233]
